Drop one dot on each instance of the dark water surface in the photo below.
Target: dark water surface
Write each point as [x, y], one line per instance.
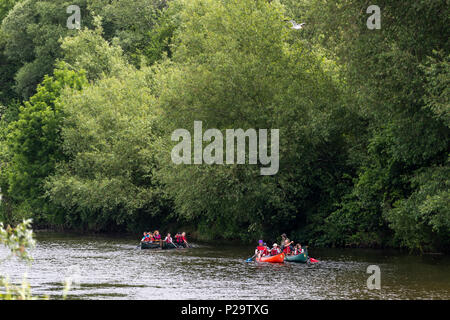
[112, 268]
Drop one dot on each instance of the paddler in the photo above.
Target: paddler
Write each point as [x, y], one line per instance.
[168, 239]
[266, 250]
[275, 250]
[298, 249]
[156, 235]
[259, 251]
[287, 248]
[184, 240]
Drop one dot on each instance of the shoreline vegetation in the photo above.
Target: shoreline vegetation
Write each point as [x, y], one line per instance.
[203, 240]
[362, 119]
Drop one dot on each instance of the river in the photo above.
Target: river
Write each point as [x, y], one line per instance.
[114, 268]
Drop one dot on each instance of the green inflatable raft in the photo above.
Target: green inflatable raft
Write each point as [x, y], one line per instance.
[302, 258]
[158, 245]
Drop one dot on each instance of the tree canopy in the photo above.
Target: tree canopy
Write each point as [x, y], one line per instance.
[363, 117]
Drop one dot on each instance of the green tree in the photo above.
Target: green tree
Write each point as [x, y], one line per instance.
[111, 138]
[5, 7]
[142, 28]
[34, 143]
[31, 33]
[90, 52]
[237, 64]
[398, 76]
[7, 68]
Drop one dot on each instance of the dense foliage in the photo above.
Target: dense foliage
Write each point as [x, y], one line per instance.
[363, 116]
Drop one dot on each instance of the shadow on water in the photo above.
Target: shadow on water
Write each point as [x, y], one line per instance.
[115, 268]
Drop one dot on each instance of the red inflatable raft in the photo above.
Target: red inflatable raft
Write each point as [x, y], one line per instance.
[279, 258]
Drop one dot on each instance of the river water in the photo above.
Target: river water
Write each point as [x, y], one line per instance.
[114, 268]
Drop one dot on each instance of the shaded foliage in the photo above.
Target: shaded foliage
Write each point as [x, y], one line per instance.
[363, 117]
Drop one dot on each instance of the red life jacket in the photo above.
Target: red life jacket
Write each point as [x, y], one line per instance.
[183, 239]
[260, 248]
[287, 250]
[274, 251]
[168, 239]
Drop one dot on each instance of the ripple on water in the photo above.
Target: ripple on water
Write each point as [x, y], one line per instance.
[117, 269]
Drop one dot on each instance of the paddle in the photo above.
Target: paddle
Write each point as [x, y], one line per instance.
[139, 245]
[250, 259]
[187, 244]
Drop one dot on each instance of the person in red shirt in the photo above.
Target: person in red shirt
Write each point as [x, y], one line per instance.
[168, 238]
[275, 250]
[184, 240]
[146, 237]
[266, 250]
[287, 247]
[259, 251]
[298, 249]
[156, 235]
[287, 250]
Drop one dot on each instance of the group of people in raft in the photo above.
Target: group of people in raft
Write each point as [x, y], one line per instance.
[180, 238]
[287, 247]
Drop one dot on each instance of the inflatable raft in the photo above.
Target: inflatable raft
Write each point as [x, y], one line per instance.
[302, 258]
[158, 245]
[279, 258]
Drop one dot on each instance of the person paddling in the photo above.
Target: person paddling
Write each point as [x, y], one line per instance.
[287, 248]
[285, 242]
[266, 250]
[168, 239]
[275, 250]
[259, 251]
[178, 239]
[298, 249]
[147, 237]
[184, 240]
